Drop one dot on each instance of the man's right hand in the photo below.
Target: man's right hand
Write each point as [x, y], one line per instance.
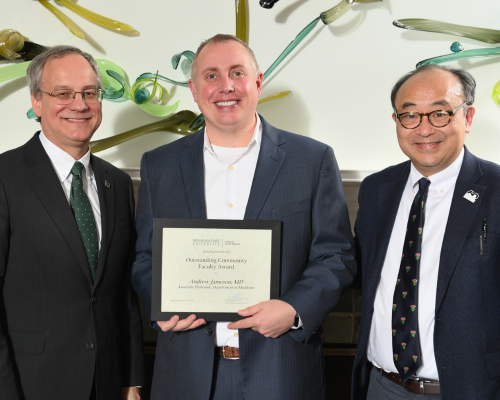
[174, 324]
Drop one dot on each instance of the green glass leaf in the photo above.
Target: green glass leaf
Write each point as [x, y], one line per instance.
[13, 71]
[113, 80]
[149, 75]
[176, 123]
[31, 114]
[198, 122]
[176, 58]
[241, 19]
[461, 56]
[336, 12]
[303, 33]
[429, 25]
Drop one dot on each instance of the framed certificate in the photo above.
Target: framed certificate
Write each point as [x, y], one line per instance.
[213, 268]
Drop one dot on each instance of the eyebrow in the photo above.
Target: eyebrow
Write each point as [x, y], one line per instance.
[434, 103]
[213, 69]
[57, 87]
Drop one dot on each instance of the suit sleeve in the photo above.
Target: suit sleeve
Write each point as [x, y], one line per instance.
[132, 351]
[142, 267]
[9, 383]
[331, 265]
[358, 232]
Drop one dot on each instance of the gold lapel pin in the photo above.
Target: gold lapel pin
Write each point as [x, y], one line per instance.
[108, 185]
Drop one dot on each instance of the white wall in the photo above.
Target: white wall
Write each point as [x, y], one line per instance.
[340, 76]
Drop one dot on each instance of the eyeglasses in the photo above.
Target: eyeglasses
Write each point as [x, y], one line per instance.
[438, 118]
[66, 96]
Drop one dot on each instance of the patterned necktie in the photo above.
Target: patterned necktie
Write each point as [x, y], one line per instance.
[82, 210]
[405, 340]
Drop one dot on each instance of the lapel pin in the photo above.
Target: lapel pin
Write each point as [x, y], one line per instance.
[471, 196]
[108, 185]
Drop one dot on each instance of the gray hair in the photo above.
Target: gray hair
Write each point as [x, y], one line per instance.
[466, 80]
[35, 69]
[223, 38]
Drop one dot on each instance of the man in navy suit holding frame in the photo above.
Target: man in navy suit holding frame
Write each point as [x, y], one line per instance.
[240, 167]
[427, 247]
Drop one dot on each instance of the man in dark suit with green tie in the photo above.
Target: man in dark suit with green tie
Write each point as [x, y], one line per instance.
[70, 324]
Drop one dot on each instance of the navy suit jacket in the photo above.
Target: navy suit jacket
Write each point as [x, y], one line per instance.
[467, 325]
[296, 181]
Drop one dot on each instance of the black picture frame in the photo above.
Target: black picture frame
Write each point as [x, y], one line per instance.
[160, 223]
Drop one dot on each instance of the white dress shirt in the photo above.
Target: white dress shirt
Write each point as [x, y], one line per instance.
[228, 179]
[437, 209]
[62, 163]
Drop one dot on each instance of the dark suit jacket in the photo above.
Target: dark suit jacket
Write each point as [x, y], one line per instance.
[467, 328]
[296, 181]
[57, 328]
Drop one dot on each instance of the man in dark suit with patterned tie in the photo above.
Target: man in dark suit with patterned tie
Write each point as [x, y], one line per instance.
[70, 324]
[427, 237]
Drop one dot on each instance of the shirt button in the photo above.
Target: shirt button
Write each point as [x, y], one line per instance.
[231, 168]
[235, 334]
[90, 346]
[94, 299]
[230, 205]
[441, 191]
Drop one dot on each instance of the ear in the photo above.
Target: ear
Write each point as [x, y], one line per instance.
[192, 86]
[259, 81]
[471, 110]
[36, 103]
[394, 117]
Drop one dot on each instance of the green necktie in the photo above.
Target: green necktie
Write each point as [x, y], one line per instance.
[82, 210]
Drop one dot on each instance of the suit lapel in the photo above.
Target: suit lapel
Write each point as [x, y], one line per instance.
[106, 193]
[269, 163]
[43, 179]
[461, 217]
[389, 198]
[192, 168]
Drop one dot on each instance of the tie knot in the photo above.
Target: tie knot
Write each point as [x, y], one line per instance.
[77, 169]
[423, 184]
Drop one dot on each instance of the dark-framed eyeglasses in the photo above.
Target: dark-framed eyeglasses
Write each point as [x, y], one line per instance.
[437, 118]
[66, 96]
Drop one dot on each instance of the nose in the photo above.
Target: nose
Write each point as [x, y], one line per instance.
[425, 128]
[78, 104]
[226, 84]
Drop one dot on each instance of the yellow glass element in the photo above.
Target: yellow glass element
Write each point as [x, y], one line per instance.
[11, 41]
[275, 96]
[98, 19]
[340, 9]
[241, 19]
[496, 93]
[63, 18]
[177, 123]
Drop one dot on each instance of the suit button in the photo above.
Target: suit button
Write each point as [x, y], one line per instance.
[208, 331]
[90, 346]
[94, 299]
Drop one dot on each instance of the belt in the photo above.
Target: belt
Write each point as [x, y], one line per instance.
[415, 385]
[229, 353]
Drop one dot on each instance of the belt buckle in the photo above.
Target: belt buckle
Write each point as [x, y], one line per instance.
[224, 354]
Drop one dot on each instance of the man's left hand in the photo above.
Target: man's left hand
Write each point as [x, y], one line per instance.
[131, 393]
[271, 318]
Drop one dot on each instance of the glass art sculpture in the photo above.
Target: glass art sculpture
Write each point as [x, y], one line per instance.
[458, 53]
[13, 46]
[327, 17]
[483, 35]
[87, 14]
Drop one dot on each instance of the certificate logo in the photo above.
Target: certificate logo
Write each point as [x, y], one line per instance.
[207, 242]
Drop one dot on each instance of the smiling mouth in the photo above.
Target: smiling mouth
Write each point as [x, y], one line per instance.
[227, 103]
[428, 144]
[77, 119]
